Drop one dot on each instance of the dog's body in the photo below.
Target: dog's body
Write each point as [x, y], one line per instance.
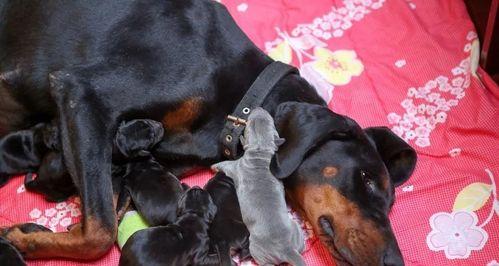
[186, 63]
[227, 231]
[274, 237]
[185, 242]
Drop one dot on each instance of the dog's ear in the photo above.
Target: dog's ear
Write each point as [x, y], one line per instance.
[398, 156]
[304, 126]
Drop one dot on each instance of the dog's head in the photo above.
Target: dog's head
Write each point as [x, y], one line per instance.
[198, 201]
[342, 178]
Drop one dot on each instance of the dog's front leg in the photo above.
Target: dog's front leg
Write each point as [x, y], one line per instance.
[86, 133]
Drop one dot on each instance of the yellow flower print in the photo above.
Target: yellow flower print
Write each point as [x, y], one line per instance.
[337, 67]
[282, 52]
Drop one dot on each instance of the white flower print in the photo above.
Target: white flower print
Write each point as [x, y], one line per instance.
[65, 222]
[393, 118]
[471, 35]
[42, 221]
[457, 234]
[441, 117]
[61, 205]
[53, 222]
[21, 189]
[75, 213]
[422, 132]
[400, 63]
[423, 142]
[410, 135]
[457, 82]
[35, 213]
[455, 152]
[50, 212]
[427, 106]
[408, 188]
[242, 7]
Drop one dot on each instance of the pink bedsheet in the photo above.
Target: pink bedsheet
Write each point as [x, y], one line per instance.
[406, 64]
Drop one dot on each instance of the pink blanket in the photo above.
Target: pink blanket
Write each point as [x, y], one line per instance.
[407, 64]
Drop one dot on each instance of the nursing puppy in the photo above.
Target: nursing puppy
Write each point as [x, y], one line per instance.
[52, 179]
[274, 237]
[133, 140]
[154, 191]
[185, 242]
[21, 151]
[228, 233]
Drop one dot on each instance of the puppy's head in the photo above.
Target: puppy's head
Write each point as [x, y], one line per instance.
[198, 201]
[260, 131]
[135, 138]
[341, 178]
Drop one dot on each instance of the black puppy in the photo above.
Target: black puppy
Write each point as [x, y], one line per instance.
[21, 152]
[185, 242]
[52, 179]
[228, 233]
[132, 140]
[154, 191]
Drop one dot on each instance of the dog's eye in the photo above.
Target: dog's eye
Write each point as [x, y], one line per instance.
[368, 180]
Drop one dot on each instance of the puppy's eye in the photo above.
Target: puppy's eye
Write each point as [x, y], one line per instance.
[368, 180]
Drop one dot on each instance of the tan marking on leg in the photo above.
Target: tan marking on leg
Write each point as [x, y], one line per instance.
[87, 243]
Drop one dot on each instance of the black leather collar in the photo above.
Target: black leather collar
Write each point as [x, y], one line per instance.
[254, 97]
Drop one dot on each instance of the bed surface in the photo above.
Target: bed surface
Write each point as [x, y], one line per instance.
[410, 65]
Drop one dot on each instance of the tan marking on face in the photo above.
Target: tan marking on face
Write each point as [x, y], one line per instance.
[385, 181]
[183, 117]
[329, 171]
[87, 243]
[353, 232]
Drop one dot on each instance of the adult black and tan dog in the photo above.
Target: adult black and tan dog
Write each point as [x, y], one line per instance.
[91, 64]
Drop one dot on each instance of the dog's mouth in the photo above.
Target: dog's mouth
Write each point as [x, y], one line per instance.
[327, 236]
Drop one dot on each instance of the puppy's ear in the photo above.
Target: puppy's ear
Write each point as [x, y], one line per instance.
[305, 126]
[243, 140]
[398, 156]
[279, 141]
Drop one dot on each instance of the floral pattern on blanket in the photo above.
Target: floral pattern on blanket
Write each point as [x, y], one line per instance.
[458, 233]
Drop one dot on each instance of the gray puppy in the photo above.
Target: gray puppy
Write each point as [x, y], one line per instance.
[274, 237]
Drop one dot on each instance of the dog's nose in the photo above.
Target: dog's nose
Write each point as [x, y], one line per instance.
[393, 257]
